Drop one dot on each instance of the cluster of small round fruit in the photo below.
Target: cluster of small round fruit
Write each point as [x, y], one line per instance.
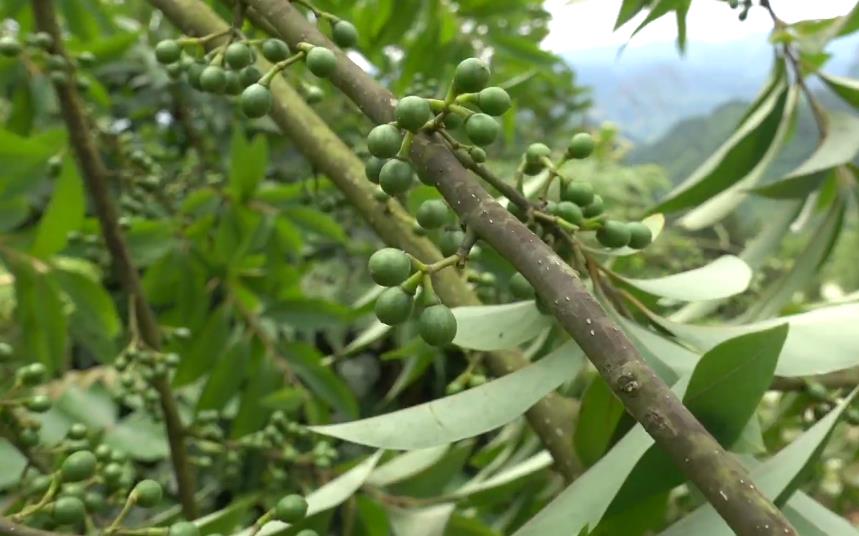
[468, 102]
[38, 45]
[87, 480]
[20, 403]
[139, 368]
[393, 269]
[231, 67]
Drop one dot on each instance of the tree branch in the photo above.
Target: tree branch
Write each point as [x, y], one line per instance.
[720, 477]
[552, 417]
[10, 528]
[96, 179]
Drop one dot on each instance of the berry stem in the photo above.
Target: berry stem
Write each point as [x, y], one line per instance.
[120, 517]
[46, 498]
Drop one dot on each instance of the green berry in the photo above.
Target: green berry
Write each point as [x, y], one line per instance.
[393, 306]
[249, 75]
[213, 79]
[275, 50]
[102, 453]
[255, 101]
[41, 40]
[481, 129]
[384, 141]
[183, 528]
[95, 502]
[77, 431]
[307, 532]
[168, 51]
[195, 73]
[78, 466]
[29, 437]
[40, 484]
[536, 152]
[175, 70]
[640, 235]
[344, 34]
[314, 95]
[68, 511]
[148, 493]
[471, 75]
[373, 167]
[9, 46]
[578, 192]
[613, 234]
[520, 288]
[452, 121]
[234, 83]
[412, 113]
[570, 212]
[437, 325]
[581, 145]
[56, 62]
[453, 388]
[290, 509]
[396, 176]
[321, 61]
[477, 154]
[595, 208]
[86, 58]
[238, 55]
[38, 403]
[432, 214]
[389, 267]
[73, 489]
[476, 380]
[33, 374]
[112, 472]
[493, 101]
[449, 242]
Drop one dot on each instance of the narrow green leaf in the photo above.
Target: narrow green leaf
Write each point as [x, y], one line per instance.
[846, 88]
[826, 333]
[248, 161]
[738, 156]
[498, 327]
[600, 412]
[405, 465]
[718, 207]
[811, 518]
[12, 464]
[466, 414]
[776, 478]
[306, 361]
[64, 213]
[316, 222]
[94, 322]
[428, 521]
[228, 371]
[805, 269]
[628, 10]
[726, 276]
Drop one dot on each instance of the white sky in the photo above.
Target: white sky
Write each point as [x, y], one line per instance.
[585, 24]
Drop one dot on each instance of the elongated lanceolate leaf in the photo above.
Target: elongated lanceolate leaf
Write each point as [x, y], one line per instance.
[726, 276]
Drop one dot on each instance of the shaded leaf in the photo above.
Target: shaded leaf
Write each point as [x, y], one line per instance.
[64, 213]
[498, 327]
[466, 414]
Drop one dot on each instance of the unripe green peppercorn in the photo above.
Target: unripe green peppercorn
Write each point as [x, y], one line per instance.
[9, 46]
[393, 306]
[581, 146]
[389, 267]
[412, 113]
[38, 403]
[450, 241]
[640, 235]
[595, 208]
[78, 466]
[432, 214]
[437, 325]
[481, 129]
[213, 79]
[493, 101]
[183, 528]
[256, 101]
[613, 234]
[290, 509]
[536, 152]
[384, 141]
[373, 167]
[344, 34]
[578, 192]
[274, 50]
[238, 55]
[68, 511]
[520, 288]
[570, 212]
[471, 75]
[148, 493]
[321, 61]
[168, 51]
[396, 176]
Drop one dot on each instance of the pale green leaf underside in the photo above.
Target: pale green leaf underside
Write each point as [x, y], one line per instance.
[726, 276]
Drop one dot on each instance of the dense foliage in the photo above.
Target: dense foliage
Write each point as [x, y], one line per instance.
[230, 303]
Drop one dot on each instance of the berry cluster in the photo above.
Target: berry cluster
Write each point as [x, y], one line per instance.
[37, 46]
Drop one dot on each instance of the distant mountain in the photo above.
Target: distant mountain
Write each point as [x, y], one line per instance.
[647, 89]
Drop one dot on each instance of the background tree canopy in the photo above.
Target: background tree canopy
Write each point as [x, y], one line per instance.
[382, 267]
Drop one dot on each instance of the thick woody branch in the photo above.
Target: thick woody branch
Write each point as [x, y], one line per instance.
[720, 477]
[552, 417]
[96, 180]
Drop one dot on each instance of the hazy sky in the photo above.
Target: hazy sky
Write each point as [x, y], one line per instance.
[583, 24]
